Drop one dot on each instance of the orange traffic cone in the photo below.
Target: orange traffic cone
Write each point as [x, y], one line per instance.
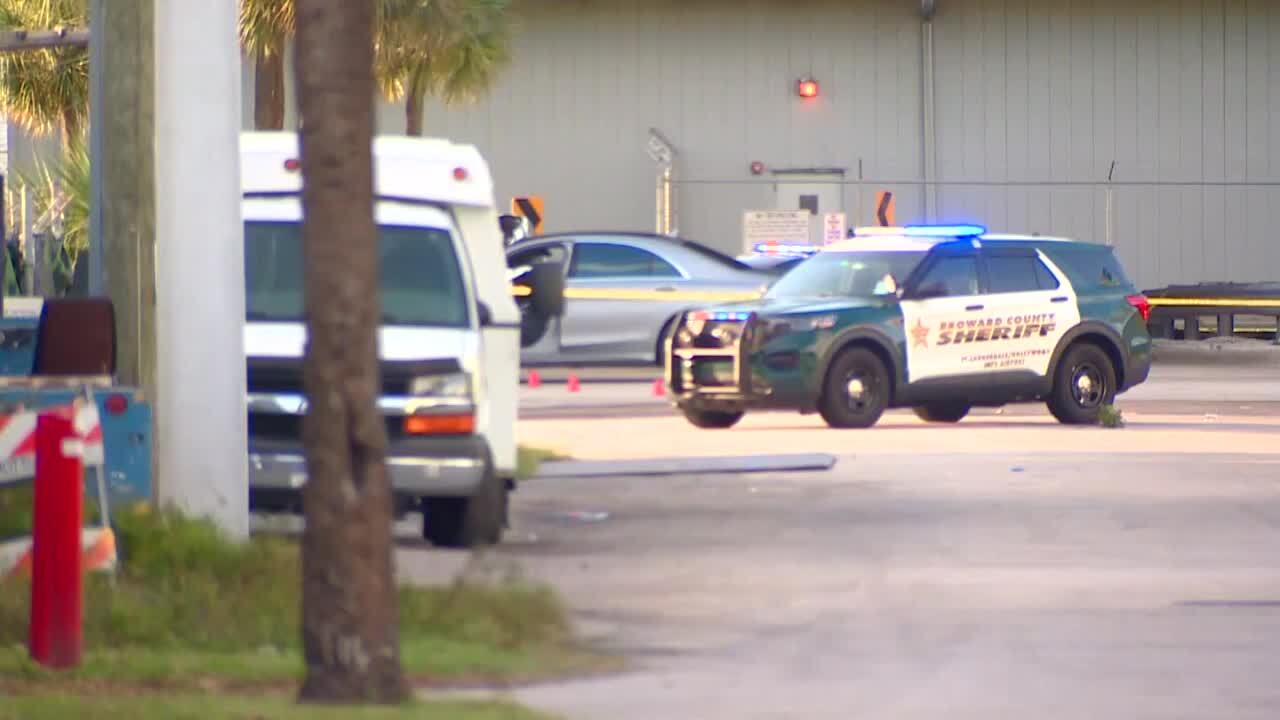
[659, 388]
[535, 380]
[574, 385]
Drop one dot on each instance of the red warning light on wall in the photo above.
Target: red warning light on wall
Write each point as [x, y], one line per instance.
[807, 88]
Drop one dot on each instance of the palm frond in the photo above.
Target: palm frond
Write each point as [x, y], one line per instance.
[479, 54]
[69, 177]
[45, 90]
[266, 25]
[453, 49]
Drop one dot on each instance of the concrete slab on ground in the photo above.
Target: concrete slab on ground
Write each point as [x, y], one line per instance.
[733, 464]
[1216, 351]
[916, 584]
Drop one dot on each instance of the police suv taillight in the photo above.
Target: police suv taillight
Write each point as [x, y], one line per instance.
[1142, 304]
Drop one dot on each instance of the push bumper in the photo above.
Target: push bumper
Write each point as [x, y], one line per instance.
[708, 362]
[446, 466]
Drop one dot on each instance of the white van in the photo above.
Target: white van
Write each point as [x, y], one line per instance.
[449, 344]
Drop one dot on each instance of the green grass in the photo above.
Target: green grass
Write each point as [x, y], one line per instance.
[529, 458]
[16, 502]
[1111, 417]
[189, 609]
[196, 707]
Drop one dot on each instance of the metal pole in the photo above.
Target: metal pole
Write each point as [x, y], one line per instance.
[24, 243]
[666, 200]
[1110, 196]
[200, 263]
[97, 272]
[928, 126]
[20, 40]
[38, 264]
[657, 206]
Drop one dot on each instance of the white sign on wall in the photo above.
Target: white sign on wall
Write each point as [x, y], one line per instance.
[834, 228]
[784, 227]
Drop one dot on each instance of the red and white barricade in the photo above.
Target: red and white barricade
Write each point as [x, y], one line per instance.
[18, 465]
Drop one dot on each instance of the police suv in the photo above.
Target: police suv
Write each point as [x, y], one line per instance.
[936, 318]
[449, 341]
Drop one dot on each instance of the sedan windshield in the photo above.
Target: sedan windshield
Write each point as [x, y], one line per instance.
[845, 274]
[420, 281]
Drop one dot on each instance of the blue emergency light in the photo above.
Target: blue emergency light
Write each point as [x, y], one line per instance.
[944, 230]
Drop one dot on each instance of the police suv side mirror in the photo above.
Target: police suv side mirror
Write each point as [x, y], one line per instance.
[928, 292]
[486, 315]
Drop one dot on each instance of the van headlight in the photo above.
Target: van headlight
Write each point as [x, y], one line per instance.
[454, 386]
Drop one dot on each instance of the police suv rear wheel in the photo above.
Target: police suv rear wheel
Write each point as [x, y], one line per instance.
[942, 412]
[856, 390]
[712, 419]
[1084, 382]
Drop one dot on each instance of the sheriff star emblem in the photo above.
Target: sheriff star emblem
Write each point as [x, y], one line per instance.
[919, 335]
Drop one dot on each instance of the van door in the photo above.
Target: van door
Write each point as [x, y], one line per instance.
[539, 336]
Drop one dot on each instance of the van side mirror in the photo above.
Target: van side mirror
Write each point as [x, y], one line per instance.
[546, 287]
[486, 315]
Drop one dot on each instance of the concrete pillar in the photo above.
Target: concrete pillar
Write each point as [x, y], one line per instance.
[200, 411]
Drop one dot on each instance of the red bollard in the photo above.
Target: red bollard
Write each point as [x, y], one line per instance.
[56, 636]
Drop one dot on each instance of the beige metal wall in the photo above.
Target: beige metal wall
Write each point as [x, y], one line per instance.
[1034, 101]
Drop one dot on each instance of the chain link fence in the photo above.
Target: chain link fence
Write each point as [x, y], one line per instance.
[36, 260]
[1165, 232]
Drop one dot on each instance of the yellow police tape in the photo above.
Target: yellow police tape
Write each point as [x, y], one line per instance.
[641, 295]
[725, 296]
[1214, 302]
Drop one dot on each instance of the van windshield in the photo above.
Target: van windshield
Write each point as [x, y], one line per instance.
[419, 276]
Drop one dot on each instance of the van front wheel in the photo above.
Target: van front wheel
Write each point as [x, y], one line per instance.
[465, 522]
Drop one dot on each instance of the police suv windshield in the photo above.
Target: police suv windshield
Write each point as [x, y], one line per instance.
[845, 274]
[420, 281]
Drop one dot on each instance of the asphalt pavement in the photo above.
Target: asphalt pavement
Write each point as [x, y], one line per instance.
[985, 586]
[1003, 567]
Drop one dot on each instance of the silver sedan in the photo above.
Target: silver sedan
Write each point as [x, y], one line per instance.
[622, 291]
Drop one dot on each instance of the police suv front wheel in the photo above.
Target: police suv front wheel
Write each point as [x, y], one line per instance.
[711, 419]
[1083, 383]
[855, 391]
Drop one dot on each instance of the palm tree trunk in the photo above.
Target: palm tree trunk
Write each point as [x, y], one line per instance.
[268, 90]
[70, 127]
[413, 109]
[350, 631]
[415, 96]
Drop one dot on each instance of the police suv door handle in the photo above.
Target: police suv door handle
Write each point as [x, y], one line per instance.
[665, 289]
[1062, 298]
[971, 308]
